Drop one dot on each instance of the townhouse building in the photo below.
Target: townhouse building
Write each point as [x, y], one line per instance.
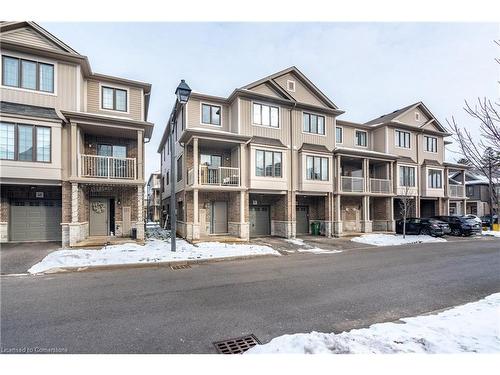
[154, 197]
[273, 157]
[71, 143]
[477, 190]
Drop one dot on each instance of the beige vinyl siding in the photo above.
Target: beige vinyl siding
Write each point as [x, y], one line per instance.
[422, 154]
[134, 100]
[234, 116]
[408, 152]
[27, 35]
[349, 139]
[63, 98]
[300, 137]
[194, 115]
[266, 90]
[379, 139]
[302, 94]
[409, 118]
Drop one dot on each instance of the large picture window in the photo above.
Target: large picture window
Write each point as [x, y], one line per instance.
[316, 168]
[313, 123]
[361, 138]
[114, 99]
[402, 139]
[430, 144]
[434, 179]
[406, 176]
[27, 74]
[24, 142]
[210, 114]
[268, 163]
[265, 115]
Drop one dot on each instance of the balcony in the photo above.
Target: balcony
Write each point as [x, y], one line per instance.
[108, 167]
[456, 191]
[216, 176]
[352, 184]
[380, 186]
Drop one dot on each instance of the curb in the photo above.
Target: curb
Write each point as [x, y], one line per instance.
[105, 267]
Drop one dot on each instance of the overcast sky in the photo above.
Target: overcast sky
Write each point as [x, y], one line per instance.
[366, 69]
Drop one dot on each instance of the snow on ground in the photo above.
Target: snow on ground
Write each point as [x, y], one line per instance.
[295, 241]
[305, 248]
[473, 327]
[493, 233]
[395, 239]
[153, 251]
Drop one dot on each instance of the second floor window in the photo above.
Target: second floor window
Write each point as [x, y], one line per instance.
[24, 142]
[313, 123]
[265, 115]
[402, 139]
[114, 99]
[179, 169]
[167, 178]
[406, 176]
[361, 138]
[27, 74]
[338, 135]
[434, 179]
[267, 163]
[430, 144]
[210, 114]
[316, 168]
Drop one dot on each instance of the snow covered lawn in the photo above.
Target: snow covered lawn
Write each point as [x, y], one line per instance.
[474, 327]
[395, 239]
[153, 251]
[493, 233]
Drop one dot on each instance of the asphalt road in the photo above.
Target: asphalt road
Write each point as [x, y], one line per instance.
[164, 311]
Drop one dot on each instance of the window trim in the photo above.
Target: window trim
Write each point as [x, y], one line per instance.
[34, 143]
[414, 174]
[38, 61]
[417, 116]
[211, 105]
[114, 87]
[355, 138]
[273, 152]
[317, 115]
[341, 133]
[178, 173]
[441, 180]
[327, 167]
[425, 142]
[402, 147]
[288, 82]
[267, 105]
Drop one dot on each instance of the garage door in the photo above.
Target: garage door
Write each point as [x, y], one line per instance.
[260, 222]
[35, 220]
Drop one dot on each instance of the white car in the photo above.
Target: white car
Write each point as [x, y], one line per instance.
[474, 217]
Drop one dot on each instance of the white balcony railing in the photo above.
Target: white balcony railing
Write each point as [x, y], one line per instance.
[108, 167]
[352, 184]
[221, 176]
[456, 191]
[381, 186]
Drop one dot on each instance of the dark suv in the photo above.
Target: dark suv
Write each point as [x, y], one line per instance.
[415, 225]
[461, 226]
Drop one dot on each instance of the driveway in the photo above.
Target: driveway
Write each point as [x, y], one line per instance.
[19, 257]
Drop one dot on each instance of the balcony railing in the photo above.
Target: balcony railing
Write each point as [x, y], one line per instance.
[456, 191]
[217, 176]
[381, 186]
[108, 167]
[352, 184]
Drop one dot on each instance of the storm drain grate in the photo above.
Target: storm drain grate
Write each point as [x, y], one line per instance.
[180, 267]
[238, 345]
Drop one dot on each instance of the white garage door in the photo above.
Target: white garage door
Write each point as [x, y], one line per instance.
[35, 220]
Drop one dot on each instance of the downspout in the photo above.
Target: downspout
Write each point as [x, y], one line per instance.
[291, 152]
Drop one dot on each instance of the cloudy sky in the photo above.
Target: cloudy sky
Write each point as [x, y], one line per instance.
[367, 69]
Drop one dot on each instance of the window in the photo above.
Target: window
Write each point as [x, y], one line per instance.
[24, 142]
[316, 168]
[27, 74]
[114, 99]
[430, 144]
[210, 114]
[402, 139]
[268, 163]
[211, 160]
[313, 123]
[265, 115]
[338, 135]
[470, 191]
[290, 85]
[434, 180]
[361, 138]
[417, 116]
[407, 176]
[167, 178]
[116, 151]
[179, 169]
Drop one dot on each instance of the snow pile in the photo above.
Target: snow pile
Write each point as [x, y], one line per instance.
[493, 233]
[295, 241]
[153, 251]
[317, 250]
[157, 233]
[152, 224]
[394, 239]
[473, 327]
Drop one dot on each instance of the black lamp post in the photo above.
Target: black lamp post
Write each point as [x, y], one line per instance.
[183, 93]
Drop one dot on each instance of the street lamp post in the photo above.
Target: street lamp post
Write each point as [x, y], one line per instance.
[183, 93]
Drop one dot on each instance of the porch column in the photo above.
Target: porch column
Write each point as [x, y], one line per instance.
[140, 218]
[242, 162]
[196, 216]
[74, 227]
[445, 182]
[140, 154]
[328, 215]
[291, 214]
[366, 224]
[339, 170]
[366, 176]
[73, 149]
[464, 205]
[244, 225]
[195, 168]
[337, 214]
[391, 226]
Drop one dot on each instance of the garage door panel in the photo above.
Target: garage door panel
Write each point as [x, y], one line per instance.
[260, 224]
[35, 221]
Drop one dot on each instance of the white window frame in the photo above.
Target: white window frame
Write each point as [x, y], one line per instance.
[112, 86]
[32, 58]
[268, 105]
[414, 174]
[213, 105]
[328, 166]
[425, 141]
[342, 133]
[355, 138]
[317, 115]
[427, 178]
[288, 82]
[396, 139]
[264, 150]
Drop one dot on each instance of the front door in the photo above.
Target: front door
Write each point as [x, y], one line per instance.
[260, 223]
[302, 220]
[99, 216]
[219, 217]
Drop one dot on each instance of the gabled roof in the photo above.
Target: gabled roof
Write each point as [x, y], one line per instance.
[306, 81]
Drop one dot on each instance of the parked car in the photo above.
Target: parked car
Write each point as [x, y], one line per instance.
[474, 217]
[486, 220]
[461, 225]
[416, 225]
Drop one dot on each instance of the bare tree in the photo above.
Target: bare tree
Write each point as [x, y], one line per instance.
[406, 205]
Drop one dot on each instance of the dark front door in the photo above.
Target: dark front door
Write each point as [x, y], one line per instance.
[260, 223]
[302, 220]
[219, 217]
[99, 216]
